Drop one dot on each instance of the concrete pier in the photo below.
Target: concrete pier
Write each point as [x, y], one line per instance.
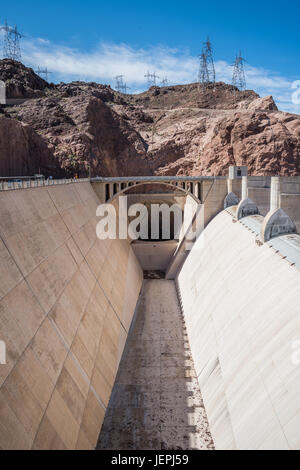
[244, 187]
[275, 194]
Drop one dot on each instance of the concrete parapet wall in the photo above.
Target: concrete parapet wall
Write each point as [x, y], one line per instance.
[241, 305]
[66, 304]
[261, 197]
[15, 183]
[290, 203]
[213, 194]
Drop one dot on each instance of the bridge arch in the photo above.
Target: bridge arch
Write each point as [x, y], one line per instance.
[143, 183]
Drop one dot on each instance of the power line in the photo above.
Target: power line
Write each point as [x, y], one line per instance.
[238, 78]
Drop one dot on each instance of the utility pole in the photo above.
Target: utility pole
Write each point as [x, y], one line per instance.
[238, 78]
[12, 48]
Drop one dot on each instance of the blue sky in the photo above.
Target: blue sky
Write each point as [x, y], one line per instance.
[98, 40]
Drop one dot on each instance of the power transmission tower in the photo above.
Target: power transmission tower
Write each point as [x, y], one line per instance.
[207, 73]
[164, 81]
[151, 78]
[44, 72]
[209, 61]
[203, 71]
[119, 83]
[12, 48]
[154, 77]
[148, 76]
[121, 87]
[238, 79]
[125, 88]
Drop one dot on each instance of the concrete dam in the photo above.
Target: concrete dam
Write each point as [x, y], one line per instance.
[141, 344]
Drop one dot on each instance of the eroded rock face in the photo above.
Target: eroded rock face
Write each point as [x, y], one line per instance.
[23, 152]
[21, 82]
[175, 130]
[267, 143]
[81, 131]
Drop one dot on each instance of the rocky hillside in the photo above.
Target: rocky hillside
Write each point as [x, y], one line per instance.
[21, 82]
[166, 131]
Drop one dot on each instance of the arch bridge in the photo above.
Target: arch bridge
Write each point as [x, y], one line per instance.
[111, 187]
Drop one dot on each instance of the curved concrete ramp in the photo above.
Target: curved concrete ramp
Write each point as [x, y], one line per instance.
[241, 306]
[66, 304]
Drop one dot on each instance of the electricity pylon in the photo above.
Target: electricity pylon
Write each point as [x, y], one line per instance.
[12, 47]
[207, 73]
[238, 78]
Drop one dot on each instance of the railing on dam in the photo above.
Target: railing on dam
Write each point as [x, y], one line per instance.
[24, 183]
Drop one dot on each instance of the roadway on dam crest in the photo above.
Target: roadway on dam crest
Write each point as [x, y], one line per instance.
[156, 401]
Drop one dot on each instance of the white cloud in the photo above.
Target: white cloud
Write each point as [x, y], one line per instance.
[109, 60]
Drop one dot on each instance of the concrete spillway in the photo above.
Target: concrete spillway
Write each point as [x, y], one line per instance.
[156, 402]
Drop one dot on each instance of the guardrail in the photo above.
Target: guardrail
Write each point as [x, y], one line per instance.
[25, 184]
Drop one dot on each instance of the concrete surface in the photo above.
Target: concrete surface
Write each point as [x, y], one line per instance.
[67, 301]
[156, 401]
[154, 256]
[241, 305]
[66, 304]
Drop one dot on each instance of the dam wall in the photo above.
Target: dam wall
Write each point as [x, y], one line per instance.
[240, 301]
[66, 305]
